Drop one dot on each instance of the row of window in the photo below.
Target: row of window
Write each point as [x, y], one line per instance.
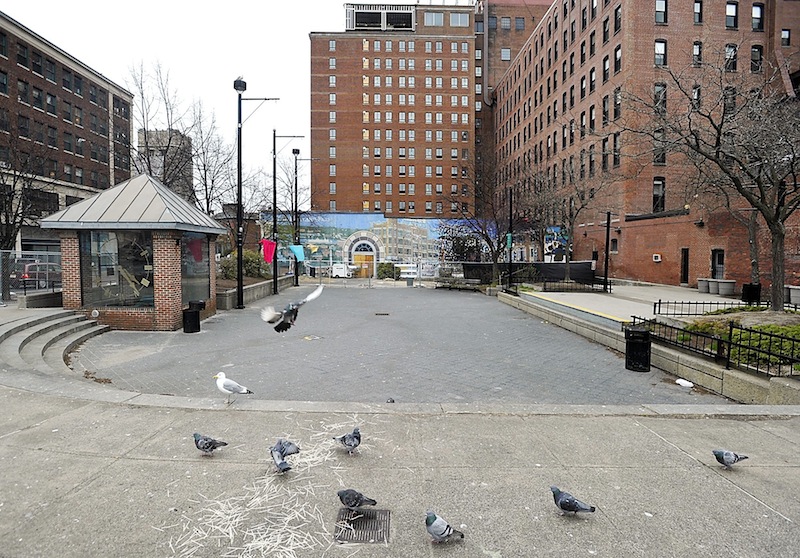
[411, 100]
[410, 82]
[50, 168]
[731, 55]
[406, 46]
[405, 170]
[405, 153]
[436, 19]
[405, 207]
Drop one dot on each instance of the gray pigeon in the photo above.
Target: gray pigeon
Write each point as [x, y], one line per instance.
[286, 317]
[439, 529]
[568, 503]
[280, 450]
[207, 444]
[728, 458]
[353, 499]
[351, 440]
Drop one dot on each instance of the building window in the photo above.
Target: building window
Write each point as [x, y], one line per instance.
[661, 11]
[617, 103]
[332, 206]
[758, 17]
[786, 37]
[51, 104]
[3, 44]
[617, 19]
[23, 92]
[331, 81]
[697, 53]
[505, 54]
[434, 19]
[22, 55]
[698, 12]
[696, 97]
[618, 59]
[661, 52]
[756, 58]
[49, 70]
[332, 99]
[519, 23]
[331, 170]
[730, 57]
[332, 45]
[659, 147]
[658, 194]
[732, 15]
[459, 20]
[615, 150]
[505, 23]
[605, 110]
[606, 69]
[660, 98]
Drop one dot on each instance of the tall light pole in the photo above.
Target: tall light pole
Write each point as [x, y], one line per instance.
[296, 219]
[241, 86]
[275, 136]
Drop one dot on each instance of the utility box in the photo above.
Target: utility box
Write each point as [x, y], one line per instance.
[637, 349]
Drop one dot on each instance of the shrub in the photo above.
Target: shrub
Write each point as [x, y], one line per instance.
[387, 270]
[253, 265]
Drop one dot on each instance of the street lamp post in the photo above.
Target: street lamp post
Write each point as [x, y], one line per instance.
[275, 136]
[296, 219]
[241, 86]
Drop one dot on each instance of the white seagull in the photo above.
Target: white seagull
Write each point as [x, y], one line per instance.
[228, 386]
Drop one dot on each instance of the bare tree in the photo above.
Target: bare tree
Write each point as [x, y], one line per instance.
[214, 164]
[739, 129]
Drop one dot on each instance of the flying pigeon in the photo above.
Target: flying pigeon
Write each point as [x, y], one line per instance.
[280, 450]
[228, 386]
[728, 458]
[206, 444]
[568, 503]
[286, 317]
[350, 440]
[440, 529]
[353, 499]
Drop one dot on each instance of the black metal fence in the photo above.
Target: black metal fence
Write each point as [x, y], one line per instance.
[698, 308]
[574, 286]
[744, 348]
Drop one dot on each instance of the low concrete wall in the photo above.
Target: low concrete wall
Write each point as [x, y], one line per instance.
[40, 300]
[744, 387]
[226, 300]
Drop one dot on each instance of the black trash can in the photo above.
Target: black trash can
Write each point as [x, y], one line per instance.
[191, 316]
[197, 305]
[637, 349]
[751, 293]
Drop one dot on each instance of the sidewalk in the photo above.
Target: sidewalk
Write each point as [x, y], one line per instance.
[84, 476]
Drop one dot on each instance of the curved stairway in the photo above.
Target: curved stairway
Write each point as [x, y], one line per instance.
[41, 340]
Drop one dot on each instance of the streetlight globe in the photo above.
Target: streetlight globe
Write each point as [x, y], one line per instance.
[240, 85]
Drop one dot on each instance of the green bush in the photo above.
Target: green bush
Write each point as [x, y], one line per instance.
[388, 271]
[227, 268]
[253, 265]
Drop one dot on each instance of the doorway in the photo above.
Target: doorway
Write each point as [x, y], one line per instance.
[717, 264]
[364, 258]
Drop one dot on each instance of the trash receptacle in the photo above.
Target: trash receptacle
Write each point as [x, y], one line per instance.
[191, 316]
[312, 271]
[197, 305]
[751, 293]
[409, 281]
[637, 349]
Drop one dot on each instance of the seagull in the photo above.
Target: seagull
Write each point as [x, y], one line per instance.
[228, 386]
[440, 529]
[728, 458]
[286, 317]
[350, 440]
[206, 444]
[568, 503]
[353, 499]
[280, 450]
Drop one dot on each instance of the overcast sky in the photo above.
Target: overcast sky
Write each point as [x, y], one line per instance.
[205, 45]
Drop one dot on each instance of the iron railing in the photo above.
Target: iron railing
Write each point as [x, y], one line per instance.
[701, 307]
[574, 286]
[744, 348]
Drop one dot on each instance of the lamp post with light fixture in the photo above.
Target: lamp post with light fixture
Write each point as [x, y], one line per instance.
[241, 86]
[275, 205]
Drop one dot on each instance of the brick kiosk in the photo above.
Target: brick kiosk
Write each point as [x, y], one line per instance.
[135, 255]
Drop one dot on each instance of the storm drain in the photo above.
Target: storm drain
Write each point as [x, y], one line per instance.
[362, 526]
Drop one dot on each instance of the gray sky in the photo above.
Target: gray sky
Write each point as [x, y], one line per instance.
[205, 45]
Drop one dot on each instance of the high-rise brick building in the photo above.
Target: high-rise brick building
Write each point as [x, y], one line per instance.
[62, 123]
[559, 106]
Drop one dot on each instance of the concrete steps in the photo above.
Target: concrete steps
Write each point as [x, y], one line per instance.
[42, 341]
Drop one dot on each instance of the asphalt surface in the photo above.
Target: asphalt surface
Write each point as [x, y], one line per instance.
[358, 344]
[99, 470]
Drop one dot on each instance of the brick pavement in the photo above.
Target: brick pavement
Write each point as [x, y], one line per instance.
[415, 345]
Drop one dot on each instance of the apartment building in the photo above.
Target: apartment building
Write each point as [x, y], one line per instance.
[559, 104]
[63, 126]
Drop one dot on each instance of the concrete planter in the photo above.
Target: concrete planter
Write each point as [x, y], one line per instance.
[702, 285]
[726, 287]
[713, 286]
[794, 294]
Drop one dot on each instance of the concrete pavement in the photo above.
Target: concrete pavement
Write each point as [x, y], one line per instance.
[99, 470]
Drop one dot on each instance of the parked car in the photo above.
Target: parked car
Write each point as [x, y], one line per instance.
[41, 275]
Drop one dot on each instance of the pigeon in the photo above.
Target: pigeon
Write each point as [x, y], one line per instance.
[351, 440]
[228, 386]
[439, 529]
[286, 317]
[728, 458]
[280, 450]
[568, 503]
[206, 444]
[353, 499]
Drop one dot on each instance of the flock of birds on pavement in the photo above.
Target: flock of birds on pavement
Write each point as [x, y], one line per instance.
[438, 528]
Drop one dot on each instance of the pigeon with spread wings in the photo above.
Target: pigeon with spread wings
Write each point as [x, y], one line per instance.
[286, 317]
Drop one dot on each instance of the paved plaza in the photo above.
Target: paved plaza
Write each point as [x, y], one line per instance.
[358, 344]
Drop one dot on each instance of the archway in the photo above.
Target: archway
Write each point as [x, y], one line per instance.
[364, 258]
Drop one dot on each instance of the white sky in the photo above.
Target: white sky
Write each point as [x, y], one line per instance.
[205, 45]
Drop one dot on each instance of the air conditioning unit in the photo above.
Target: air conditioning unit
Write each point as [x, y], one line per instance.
[657, 258]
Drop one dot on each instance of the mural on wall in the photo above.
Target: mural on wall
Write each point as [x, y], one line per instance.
[555, 244]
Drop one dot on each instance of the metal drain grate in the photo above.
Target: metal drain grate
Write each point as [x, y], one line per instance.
[362, 526]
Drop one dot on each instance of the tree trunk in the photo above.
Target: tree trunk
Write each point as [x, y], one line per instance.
[752, 234]
[776, 291]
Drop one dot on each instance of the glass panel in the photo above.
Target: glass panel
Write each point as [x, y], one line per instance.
[116, 268]
[195, 268]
